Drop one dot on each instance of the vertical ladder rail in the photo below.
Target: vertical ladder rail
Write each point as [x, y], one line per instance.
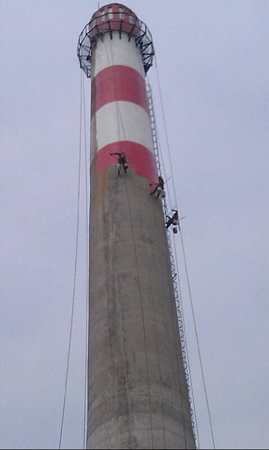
[175, 277]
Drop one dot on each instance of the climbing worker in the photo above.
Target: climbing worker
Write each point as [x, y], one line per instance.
[121, 161]
[159, 187]
[172, 220]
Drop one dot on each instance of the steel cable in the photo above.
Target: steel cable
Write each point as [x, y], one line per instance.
[87, 269]
[74, 277]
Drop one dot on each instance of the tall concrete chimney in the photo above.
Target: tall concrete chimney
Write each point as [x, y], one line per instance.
[137, 390]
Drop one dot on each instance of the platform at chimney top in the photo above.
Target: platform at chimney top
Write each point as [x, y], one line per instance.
[114, 18]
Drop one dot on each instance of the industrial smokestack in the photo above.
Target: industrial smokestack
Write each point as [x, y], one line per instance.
[137, 391]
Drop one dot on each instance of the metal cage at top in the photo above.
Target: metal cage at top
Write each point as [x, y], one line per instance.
[104, 22]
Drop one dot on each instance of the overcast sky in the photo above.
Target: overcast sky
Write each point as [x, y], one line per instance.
[212, 66]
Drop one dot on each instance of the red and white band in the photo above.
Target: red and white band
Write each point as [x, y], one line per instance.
[120, 120]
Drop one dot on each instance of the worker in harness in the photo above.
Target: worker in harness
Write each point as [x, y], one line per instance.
[173, 221]
[159, 188]
[121, 161]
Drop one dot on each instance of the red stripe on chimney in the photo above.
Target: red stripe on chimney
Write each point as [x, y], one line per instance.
[138, 158]
[117, 83]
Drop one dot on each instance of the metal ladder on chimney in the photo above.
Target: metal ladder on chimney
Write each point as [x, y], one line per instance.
[176, 284]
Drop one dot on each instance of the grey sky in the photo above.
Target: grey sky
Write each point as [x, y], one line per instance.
[212, 64]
